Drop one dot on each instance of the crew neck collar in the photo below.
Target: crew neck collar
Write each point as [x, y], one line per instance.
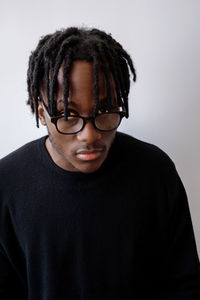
[49, 163]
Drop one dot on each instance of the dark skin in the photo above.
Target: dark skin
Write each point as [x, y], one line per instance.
[86, 150]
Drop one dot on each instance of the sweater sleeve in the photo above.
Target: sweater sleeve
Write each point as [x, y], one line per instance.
[10, 286]
[12, 267]
[183, 278]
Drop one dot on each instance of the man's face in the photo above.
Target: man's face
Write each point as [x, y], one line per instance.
[86, 150]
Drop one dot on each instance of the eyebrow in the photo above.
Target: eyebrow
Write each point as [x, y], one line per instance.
[101, 101]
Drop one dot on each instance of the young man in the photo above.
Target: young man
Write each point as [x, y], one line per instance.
[87, 212]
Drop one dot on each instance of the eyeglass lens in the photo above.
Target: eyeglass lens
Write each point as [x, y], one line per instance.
[108, 121]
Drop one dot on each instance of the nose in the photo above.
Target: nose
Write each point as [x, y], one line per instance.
[89, 134]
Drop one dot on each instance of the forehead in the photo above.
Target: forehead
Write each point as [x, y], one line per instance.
[82, 77]
[82, 85]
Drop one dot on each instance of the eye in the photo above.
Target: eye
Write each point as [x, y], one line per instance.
[70, 112]
[103, 108]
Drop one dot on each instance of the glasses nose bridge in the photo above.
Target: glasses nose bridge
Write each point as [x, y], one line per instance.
[86, 119]
[89, 133]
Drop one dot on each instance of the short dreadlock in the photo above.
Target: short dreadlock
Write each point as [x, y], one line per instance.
[64, 47]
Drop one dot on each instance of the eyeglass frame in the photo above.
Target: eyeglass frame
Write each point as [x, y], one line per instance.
[54, 120]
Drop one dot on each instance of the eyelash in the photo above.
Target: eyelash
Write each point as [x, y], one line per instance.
[69, 112]
[103, 109]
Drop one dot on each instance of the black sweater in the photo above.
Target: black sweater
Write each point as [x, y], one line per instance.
[123, 232]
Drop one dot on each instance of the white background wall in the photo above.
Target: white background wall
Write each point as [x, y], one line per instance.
[163, 38]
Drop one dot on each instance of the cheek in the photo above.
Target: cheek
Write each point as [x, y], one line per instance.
[109, 137]
[59, 141]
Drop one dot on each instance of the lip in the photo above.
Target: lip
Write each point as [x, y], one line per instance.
[89, 155]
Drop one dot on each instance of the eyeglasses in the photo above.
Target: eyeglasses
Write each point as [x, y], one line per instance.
[73, 124]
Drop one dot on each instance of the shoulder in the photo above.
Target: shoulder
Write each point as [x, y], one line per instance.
[22, 152]
[138, 148]
[150, 167]
[17, 161]
[142, 155]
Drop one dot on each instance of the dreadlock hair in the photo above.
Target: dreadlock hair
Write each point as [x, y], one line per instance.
[67, 45]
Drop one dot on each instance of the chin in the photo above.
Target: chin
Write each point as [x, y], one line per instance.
[90, 167]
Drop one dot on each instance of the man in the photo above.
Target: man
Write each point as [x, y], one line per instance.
[87, 212]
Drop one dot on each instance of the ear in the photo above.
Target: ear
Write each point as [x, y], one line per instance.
[41, 114]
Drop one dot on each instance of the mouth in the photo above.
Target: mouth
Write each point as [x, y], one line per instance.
[89, 155]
